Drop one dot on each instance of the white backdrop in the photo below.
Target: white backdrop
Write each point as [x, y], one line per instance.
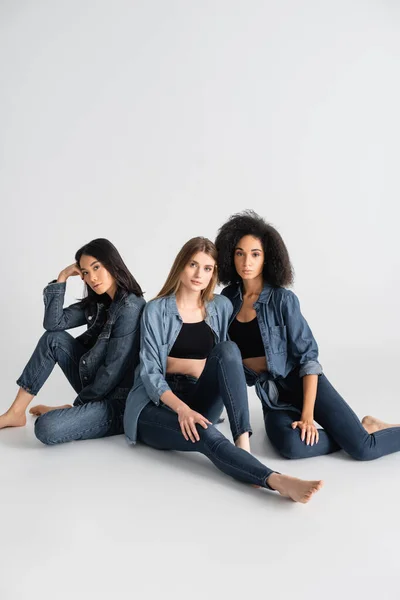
[149, 122]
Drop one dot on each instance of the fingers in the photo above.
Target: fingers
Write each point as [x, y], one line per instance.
[295, 424]
[185, 435]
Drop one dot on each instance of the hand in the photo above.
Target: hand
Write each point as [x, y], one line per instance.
[187, 420]
[309, 433]
[69, 271]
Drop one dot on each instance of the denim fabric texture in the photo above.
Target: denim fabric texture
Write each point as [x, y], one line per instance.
[287, 338]
[160, 326]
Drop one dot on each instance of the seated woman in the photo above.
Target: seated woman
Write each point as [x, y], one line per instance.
[280, 355]
[188, 371]
[99, 364]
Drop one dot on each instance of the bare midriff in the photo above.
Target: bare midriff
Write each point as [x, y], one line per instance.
[257, 364]
[186, 366]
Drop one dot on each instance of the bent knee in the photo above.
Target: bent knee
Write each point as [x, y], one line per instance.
[289, 444]
[228, 350]
[47, 430]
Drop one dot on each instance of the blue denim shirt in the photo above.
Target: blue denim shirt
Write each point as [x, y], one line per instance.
[112, 340]
[287, 338]
[160, 326]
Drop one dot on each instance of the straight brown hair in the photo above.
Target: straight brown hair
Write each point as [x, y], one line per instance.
[192, 247]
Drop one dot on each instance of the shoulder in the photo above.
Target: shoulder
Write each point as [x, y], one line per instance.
[132, 304]
[222, 303]
[285, 296]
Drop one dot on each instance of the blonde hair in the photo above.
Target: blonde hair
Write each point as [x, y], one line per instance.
[192, 247]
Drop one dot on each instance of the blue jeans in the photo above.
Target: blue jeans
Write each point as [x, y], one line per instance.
[342, 429]
[81, 422]
[222, 383]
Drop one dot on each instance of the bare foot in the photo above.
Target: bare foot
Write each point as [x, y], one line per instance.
[40, 409]
[298, 490]
[12, 418]
[371, 424]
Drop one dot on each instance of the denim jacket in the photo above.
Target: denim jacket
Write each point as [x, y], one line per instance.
[287, 338]
[112, 340]
[160, 326]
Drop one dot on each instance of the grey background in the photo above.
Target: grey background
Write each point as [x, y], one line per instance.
[151, 122]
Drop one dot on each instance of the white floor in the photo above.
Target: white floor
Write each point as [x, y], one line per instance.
[101, 519]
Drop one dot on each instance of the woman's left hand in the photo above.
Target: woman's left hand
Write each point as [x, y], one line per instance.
[309, 432]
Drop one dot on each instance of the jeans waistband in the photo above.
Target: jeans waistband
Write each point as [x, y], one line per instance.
[180, 378]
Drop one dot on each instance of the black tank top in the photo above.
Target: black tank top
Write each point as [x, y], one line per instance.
[195, 340]
[248, 337]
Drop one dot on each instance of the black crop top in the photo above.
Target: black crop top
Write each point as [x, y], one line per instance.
[195, 340]
[248, 337]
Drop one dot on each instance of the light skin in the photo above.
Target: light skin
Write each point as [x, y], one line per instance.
[249, 258]
[96, 276]
[195, 278]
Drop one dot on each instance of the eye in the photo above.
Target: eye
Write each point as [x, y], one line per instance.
[239, 253]
[84, 273]
[208, 268]
[95, 267]
[192, 264]
[256, 254]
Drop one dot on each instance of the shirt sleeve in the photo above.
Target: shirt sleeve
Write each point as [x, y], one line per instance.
[153, 353]
[57, 318]
[301, 342]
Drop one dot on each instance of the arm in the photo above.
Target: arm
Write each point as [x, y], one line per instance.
[119, 352]
[301, 342]
[303, 347]
[56, 318]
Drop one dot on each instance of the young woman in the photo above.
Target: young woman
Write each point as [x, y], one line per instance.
[280, 355]
[188, 372]
[99, 364]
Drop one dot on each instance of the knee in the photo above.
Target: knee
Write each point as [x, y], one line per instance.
[46, 429]
[228, 351]
[287, 443]
[53, 338]
[360, 453]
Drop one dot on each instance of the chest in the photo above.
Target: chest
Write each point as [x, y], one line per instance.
[247, 312]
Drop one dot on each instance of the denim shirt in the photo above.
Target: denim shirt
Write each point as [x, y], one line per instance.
[287, 338]
[160, 326]
[112, 340]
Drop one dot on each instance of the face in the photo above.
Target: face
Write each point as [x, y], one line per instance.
[198, 272]
[96, 276]
[249, 257]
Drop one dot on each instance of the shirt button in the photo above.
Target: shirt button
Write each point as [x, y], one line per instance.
[85, 378]
[90, 318]
[84, 362]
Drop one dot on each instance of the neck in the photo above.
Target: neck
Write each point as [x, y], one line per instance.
[253, 287]
[188, 298]
[112, 291]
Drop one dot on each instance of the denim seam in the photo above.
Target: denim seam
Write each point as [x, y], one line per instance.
[229, 393]
[261, 481]
[37, 374]
[68, 438]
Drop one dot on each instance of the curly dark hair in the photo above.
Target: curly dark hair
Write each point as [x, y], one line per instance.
[278, 270]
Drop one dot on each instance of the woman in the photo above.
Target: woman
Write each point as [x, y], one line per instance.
[99, 364]
[188, 372]
[280, 355]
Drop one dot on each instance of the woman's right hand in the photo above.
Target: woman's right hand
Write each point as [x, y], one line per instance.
[69, 271]
[188, 419]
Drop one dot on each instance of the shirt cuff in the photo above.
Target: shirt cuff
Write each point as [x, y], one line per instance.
[311, 367]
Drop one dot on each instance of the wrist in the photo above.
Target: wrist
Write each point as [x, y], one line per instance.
[307, 416]
[62, 278]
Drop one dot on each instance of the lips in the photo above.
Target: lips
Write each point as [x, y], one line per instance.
[96, 286]
[196, 282]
